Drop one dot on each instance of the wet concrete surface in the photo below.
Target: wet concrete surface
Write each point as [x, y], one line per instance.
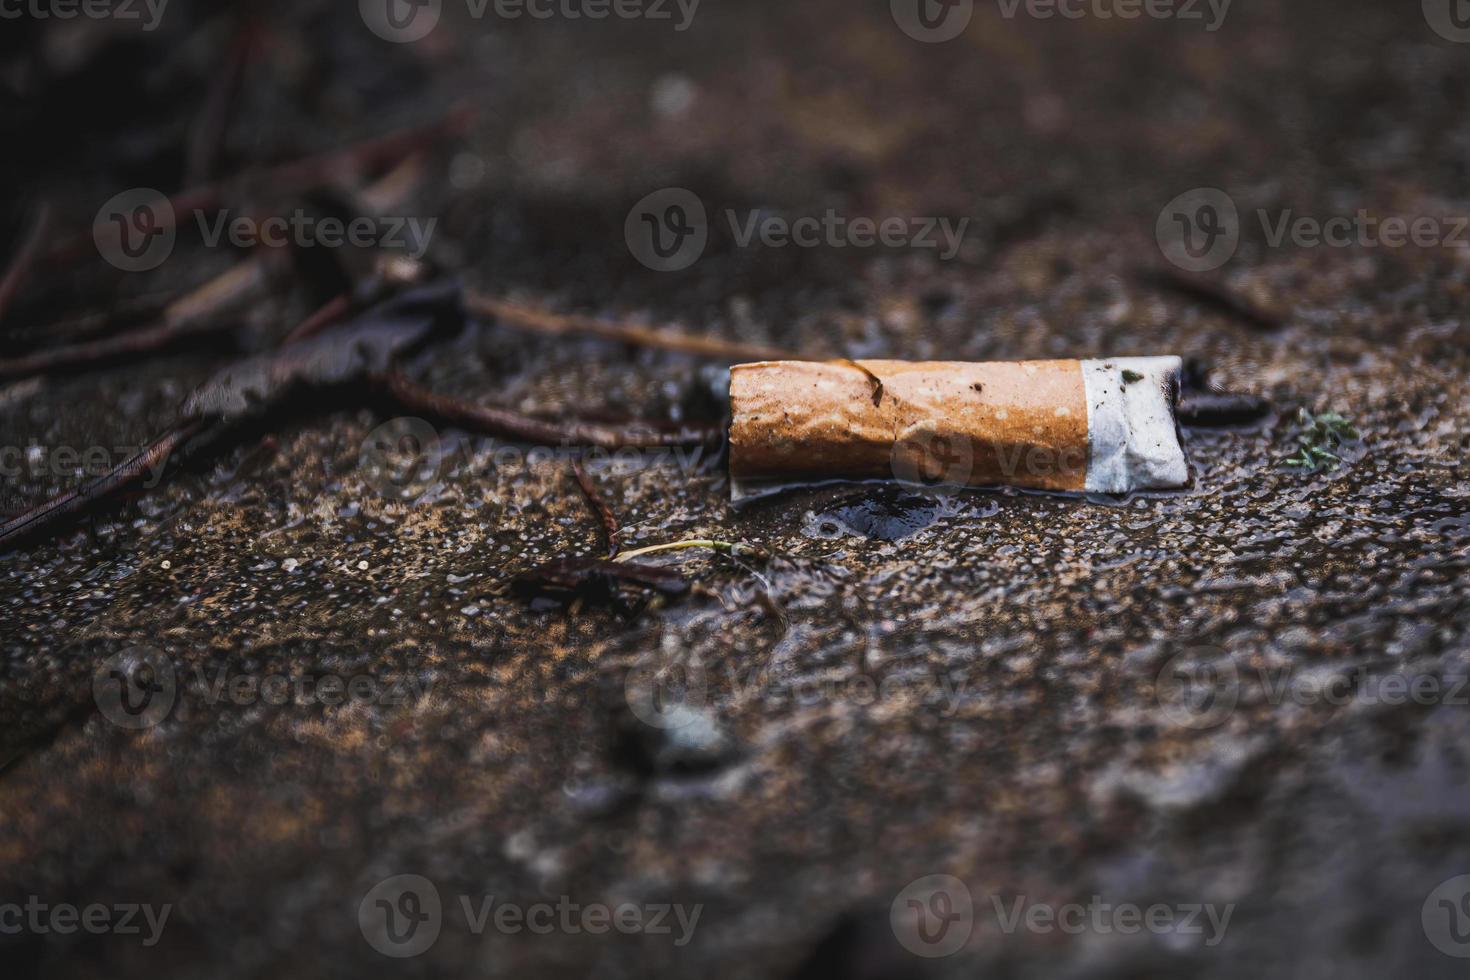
[1052, 700]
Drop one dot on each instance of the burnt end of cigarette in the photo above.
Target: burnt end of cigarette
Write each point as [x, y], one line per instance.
[1105, 426]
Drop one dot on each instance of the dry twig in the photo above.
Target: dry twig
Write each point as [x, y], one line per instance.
[662, 338]
[494, 420]
[599, 507]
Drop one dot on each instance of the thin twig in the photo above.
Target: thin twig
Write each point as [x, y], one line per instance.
[505, 422]
[376, 198]
[596, 579]
[732, 548]
[1215, 296]
[20, 267]
[207, 134]
[394, 187]
[119, 311]
[663, 338]
[185, 315]
[118, 478]
[599, 507]
[209, 405]
[298, 176]
[331, 312]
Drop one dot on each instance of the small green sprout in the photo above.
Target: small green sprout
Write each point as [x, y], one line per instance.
[1131, 376]
[1319, 436]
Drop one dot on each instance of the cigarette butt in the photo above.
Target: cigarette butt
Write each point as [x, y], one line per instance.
[1104, 426]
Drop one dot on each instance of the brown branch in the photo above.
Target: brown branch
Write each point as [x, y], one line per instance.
[185, 315]
[114, 481]
[386, 192]
[599, 507]
[206, 136]
[330, 313]
[662, 338]
[179, 317]
[314, 171]
[91, 323]
[298, 176]
[394, 187]
[1215, 296]
[510, 424]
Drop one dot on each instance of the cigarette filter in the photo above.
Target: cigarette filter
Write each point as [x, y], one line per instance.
[1104, 426]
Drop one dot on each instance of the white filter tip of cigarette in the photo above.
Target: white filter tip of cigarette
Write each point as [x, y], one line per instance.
[1132, 437]
[1102, 426]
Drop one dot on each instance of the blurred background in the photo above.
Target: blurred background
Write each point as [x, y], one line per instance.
[937, 734]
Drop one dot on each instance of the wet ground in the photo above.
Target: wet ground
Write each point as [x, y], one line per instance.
[1176, 700]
